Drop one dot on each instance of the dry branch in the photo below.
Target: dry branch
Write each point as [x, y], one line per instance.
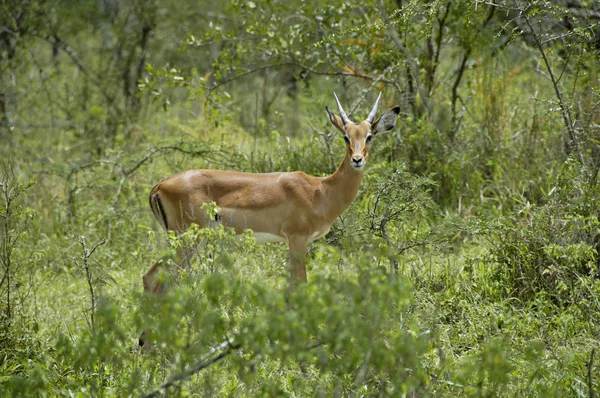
[564, 110]
[216, 354]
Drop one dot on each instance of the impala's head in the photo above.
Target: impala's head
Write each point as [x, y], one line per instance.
[358, 136]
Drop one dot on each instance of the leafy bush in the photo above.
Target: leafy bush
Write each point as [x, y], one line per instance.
[553, 247]
[343, 333]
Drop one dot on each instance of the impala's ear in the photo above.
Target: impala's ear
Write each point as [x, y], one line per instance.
[386, 122]
[335, 120]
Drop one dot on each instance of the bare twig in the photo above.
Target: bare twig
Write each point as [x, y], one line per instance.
[460, 72]
[56, 41]
[127, 173]
[362, 370]
[589, 375]
[434, 51]
[552, 39]
[365, 92]
[498, 5]
[564, 110]
[255, 132]
[461, 69]
[309, 69]
[327, 139]
[85, 264]
[216, 354]
[411, 61]
[10, 190]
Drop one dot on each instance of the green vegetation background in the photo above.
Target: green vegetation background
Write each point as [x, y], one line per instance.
[467, 266]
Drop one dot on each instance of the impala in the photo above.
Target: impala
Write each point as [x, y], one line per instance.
[287, 207]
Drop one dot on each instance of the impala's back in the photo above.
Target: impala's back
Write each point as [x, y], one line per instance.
[267, 203]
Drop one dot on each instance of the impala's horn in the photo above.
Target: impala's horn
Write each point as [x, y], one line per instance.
[371, 116]
[345, 119]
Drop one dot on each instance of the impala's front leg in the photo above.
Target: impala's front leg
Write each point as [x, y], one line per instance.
[298, 245]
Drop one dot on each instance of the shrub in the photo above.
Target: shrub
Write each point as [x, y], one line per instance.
[553, 247]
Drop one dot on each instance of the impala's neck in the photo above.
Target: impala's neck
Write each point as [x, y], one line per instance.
[342, 186]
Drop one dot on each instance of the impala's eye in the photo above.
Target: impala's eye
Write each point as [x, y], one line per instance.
[347, 139]
[368, 139]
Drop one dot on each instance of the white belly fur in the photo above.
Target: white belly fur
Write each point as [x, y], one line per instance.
[262, 237]
[318, 234]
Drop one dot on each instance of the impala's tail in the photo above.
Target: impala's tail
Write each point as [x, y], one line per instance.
[157, 208]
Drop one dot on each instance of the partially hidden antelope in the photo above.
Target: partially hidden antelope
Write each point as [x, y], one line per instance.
[290, 207]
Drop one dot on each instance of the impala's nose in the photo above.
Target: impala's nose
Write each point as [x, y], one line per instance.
[357, 161]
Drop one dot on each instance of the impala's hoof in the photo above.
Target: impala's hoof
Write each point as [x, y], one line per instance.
[144, 341]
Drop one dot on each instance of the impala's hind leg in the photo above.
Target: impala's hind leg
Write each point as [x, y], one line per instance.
[156, 281]
[154, 285]
[176, 216]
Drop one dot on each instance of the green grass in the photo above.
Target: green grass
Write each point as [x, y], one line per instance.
[446, 323]
[453, 322]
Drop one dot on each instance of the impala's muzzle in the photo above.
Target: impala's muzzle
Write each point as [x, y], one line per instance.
[358, 161]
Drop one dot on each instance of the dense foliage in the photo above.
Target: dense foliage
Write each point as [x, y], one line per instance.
[467, 265]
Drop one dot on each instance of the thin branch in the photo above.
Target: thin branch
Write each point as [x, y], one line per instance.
[411, 62]
[570, 33]
[56, 41]
[87, 254]
[563, 108]
[460, 72]
[362, 370]
[365, 92]
[221, 351]
[497, 5]
[212, 15]
[589, 375]
[308, 69]
[356, 75]
[147, 32]
[435, 51]
[150, 155]
[4, 277]
[326, 138]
